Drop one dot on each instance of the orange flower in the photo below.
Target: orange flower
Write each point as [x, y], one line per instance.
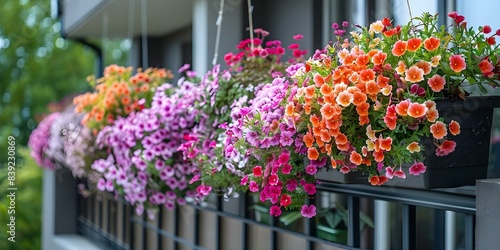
[363, 120]
[359, 98]
[327, 111]
[355, 158]
[432, 114]
[454, 127]
[326, 89]
[372, 88]
[330, 98]
[344, 98]
[308, 139]
[401, 68]
[318, 80]
[366, 75]
[457, 63]
[362, 109]
[431, 43]
[376, 27]
[435, 60]
[310, 91]
[333, 123]
[370, 133]
[307, 109]
[414, 44]
[430, 104]
[341, 139]
[438, 130]
[312, 154]
[126, 100]
[413, 147]
[343, 147]
[315, 121]
[362, 60]
[378, 155]
[399, 48]
[289, 109]
[386, 144]
[354, 78]
[425, 66]
[374, 180]
[333, 162]
[414, 74]
[402, 107]
[382, 81]
[379, 58]
[486, 66]
[436, 83]
[417, 110]
[325, 135]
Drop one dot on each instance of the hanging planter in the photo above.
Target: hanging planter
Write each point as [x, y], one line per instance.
[469, 161]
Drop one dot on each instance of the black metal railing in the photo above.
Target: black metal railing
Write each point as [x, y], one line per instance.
[236, 225]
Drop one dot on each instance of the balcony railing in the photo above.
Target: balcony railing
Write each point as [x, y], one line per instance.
[404, 219]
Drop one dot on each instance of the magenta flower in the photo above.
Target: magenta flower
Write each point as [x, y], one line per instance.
[308, 211]
[417, 168]
[310, 188]
[275, 211]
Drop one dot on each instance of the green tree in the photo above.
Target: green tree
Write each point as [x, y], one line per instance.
[37, 67]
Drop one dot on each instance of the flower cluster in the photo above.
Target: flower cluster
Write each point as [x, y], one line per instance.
[368, 101]
[39, 142]
[144, 163]
[226, 92]
[117, 94]
[267, 136]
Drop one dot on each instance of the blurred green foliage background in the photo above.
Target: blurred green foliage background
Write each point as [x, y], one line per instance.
[39, 71]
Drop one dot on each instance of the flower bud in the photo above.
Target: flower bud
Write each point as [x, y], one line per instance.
[486, 29]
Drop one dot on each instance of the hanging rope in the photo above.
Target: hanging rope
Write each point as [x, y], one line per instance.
[409, 9]
[144, 29]
[250, 22]
[219, 28]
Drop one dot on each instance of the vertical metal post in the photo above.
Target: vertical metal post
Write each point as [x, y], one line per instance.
[353, 234]
[409, 223]
[469, 231]
[159, 238]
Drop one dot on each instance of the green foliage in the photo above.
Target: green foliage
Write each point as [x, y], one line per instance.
[28, 203]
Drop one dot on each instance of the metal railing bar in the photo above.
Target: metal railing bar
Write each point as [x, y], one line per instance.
[409, 227]
[457, 202]
[469, 232]
[274, 228]
[110, 240]
[167, 234]
[353, 235]
[144, 233]
[159, 238]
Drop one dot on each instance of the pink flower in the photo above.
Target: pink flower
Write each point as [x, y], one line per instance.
[417, 168]
[400, 174]
[275, 211]
[308, 211]
[446, 148]
[286, 169]
[203, 189]
[310, 188]
[298, 37]
[311, 169]
[273, 179]
[244, 180]
[345, 170]
[253, 187]
[389, 172]
[291, 185]
[284, 158]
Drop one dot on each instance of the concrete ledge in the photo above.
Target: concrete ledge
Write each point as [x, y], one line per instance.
[73, 242]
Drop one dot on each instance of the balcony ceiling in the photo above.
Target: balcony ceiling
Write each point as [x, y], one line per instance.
[113, 19]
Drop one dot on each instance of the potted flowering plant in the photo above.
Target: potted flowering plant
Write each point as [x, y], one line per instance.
[226, 93]
[117, 94]
[144, 164]
[372, 102]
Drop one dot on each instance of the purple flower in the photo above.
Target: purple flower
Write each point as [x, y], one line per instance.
[311, 169]
[308, 211]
